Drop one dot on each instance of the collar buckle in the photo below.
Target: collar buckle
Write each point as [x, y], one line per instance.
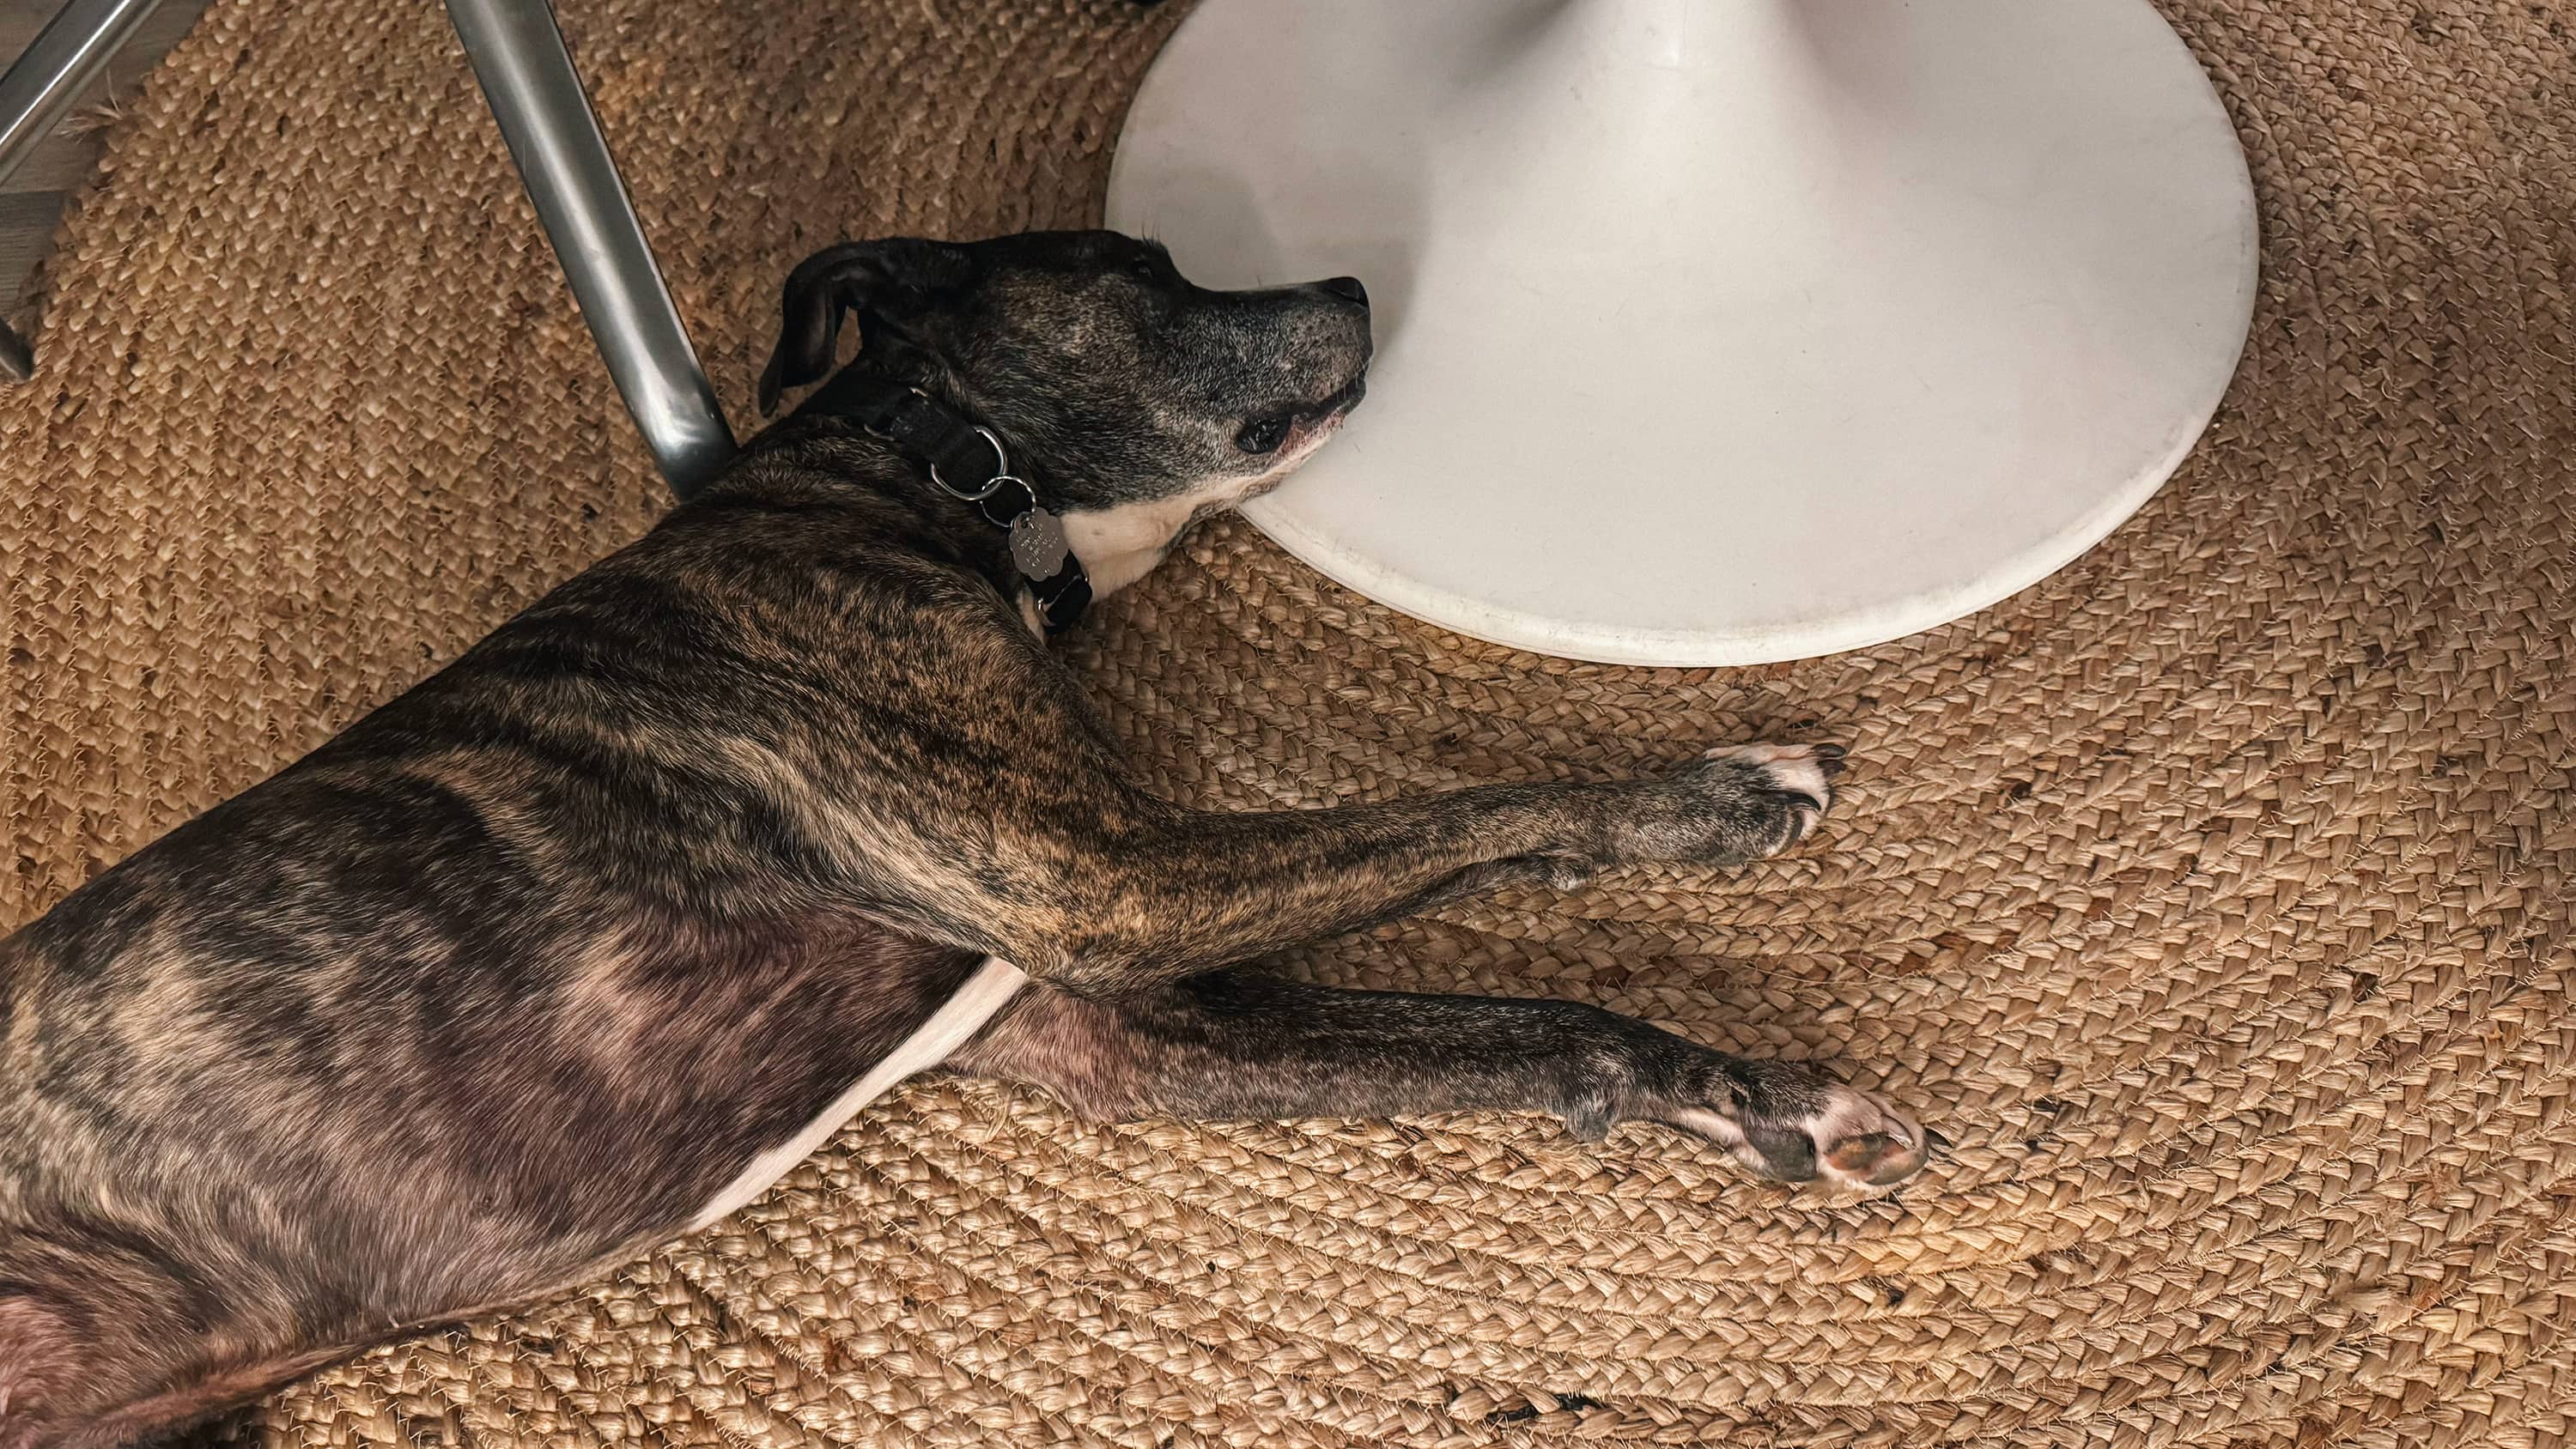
[876, 424]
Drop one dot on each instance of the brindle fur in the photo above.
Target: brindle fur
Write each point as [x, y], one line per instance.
[504, 984]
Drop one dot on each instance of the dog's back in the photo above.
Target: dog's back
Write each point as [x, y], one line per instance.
[501, 987]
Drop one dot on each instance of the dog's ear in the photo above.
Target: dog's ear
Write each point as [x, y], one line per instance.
[878, 279]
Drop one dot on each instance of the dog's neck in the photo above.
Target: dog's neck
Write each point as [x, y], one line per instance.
[1117, 542]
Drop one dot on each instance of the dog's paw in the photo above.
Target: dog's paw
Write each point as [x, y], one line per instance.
[1734, 803]
[1795, 783]
[1790, 1122]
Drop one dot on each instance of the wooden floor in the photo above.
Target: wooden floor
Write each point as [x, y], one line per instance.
[32, 200]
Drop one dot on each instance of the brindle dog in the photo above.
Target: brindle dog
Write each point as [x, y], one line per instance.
[577, 943]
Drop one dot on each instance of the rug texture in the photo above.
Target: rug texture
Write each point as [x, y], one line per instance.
[2212, 896]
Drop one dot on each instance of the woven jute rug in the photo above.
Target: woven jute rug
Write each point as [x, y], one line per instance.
[2213, 896]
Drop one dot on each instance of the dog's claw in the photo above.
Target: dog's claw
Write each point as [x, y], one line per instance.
[1863, 1141]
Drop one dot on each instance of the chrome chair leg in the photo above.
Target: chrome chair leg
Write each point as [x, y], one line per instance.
[527, 75]
[39, 90]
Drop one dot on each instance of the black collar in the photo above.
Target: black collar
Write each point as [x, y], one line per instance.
[966, 461]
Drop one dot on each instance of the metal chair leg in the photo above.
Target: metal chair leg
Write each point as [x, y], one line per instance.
[17, 360]
[40, 88]
[527, 75]
[518, 54]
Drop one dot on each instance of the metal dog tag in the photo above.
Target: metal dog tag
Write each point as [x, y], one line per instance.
[1038, 544]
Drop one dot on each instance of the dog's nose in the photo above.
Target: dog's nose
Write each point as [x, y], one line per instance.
[1346, 288]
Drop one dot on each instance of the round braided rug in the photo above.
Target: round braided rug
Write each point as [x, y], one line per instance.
[2213, 896]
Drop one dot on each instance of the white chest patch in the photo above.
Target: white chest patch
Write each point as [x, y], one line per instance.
[1120, 545]
[994, 982]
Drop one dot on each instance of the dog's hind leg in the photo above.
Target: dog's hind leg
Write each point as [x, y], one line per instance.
[39, 1363]
[1237, 1044]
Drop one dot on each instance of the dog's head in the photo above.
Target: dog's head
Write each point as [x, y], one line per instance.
[1090, 353]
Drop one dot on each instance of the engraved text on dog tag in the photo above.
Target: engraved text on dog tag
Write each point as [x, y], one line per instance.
[1037, 543]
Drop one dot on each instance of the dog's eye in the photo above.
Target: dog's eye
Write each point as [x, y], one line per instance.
[1262, 435]
[1144, 270]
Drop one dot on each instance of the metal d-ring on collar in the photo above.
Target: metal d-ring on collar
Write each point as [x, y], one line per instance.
[1001, 473]
[1028, 523]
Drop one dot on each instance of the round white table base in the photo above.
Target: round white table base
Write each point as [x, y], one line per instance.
[1716, 331]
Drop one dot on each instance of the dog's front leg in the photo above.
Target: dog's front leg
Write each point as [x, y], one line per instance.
[1239, 1044]
[1130, 900]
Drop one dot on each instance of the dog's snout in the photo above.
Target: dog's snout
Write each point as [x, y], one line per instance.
[1348, 289]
